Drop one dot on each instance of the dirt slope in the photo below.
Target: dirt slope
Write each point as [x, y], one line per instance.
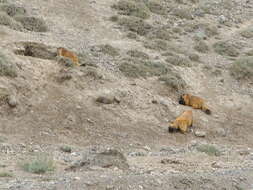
[53, 111]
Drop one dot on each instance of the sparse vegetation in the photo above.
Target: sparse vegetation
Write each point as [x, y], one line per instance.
[6, 67]
[226, 48]
[183, 13]
[193, 57]
[173, 80]
[5, 174]
[66, 149]
[242, 69]
[109, 50]
[248, 33]
[210, 150]
[138, 68]
[132, 8]
[158, 45]
[13, 10]
[39, 165]
[179, 61]
[249, 53]
[201, 47]
[10, 22]
[155, 6]
[135, 24]
[32, 23]
[162, 33]
[137, 54]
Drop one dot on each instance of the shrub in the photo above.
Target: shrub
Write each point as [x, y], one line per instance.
[32, 23]
[132, 8]
[12, 10]
[249, 53]
[39, 165]
[247, 33]
[6, 67]
[5, 174]
[66, 149]
[155, 6]
[158, 45]
[132, 35]
[242, 68]
[194, 57]
[201, 47]
[109, 50]
[137, 54]
[135, 24]
[209, 150]
[179, 61]
[139, 68]
[183, 13]
[39, 50]
[162, 33]
[173, 80]
[10, 22]
[225, 48]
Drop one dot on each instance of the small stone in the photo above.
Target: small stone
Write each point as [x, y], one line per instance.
[200, 133]
[220, 132]
[216, 165]
[12, 101]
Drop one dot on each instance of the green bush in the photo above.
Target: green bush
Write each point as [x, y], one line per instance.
[226, 48]
[201, 47]
[132, 8]
[32, 23]
[136, 25]
[138, 68]
[5, 174]
[242, 69]
[209, 150]
[12, 10]
[10, 22]
[39, 165]
[6, 67]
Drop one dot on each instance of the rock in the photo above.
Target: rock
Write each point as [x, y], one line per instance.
[12, 101]
[216, 165]
[221, 132]
[200, 133]
[107, 99]
[109, 158]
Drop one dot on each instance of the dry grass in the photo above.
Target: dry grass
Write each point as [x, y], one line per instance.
[135, 24]
[137, 54]
[179, 60]
[5, 174]
[201, 47]
[13, 10]
[136, 68]
[183, 13]
[209, 150]
[156, 6]
[158, 45]
[226, 48]
[248, 33]
[10, 22]
[132, 8]
[109, 50]
[242, 69]
[32, 23]
[6, 67]
[173, 81]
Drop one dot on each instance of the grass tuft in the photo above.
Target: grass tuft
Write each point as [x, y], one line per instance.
[242, 69]
[209, 150]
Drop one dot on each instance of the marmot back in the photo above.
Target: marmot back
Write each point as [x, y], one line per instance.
[66, 53]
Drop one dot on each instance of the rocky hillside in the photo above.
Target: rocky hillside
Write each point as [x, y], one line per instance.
[104, 124]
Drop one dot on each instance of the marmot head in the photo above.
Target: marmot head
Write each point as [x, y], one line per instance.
[172, 128]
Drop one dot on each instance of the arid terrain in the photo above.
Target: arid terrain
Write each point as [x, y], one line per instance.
[104, 124]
